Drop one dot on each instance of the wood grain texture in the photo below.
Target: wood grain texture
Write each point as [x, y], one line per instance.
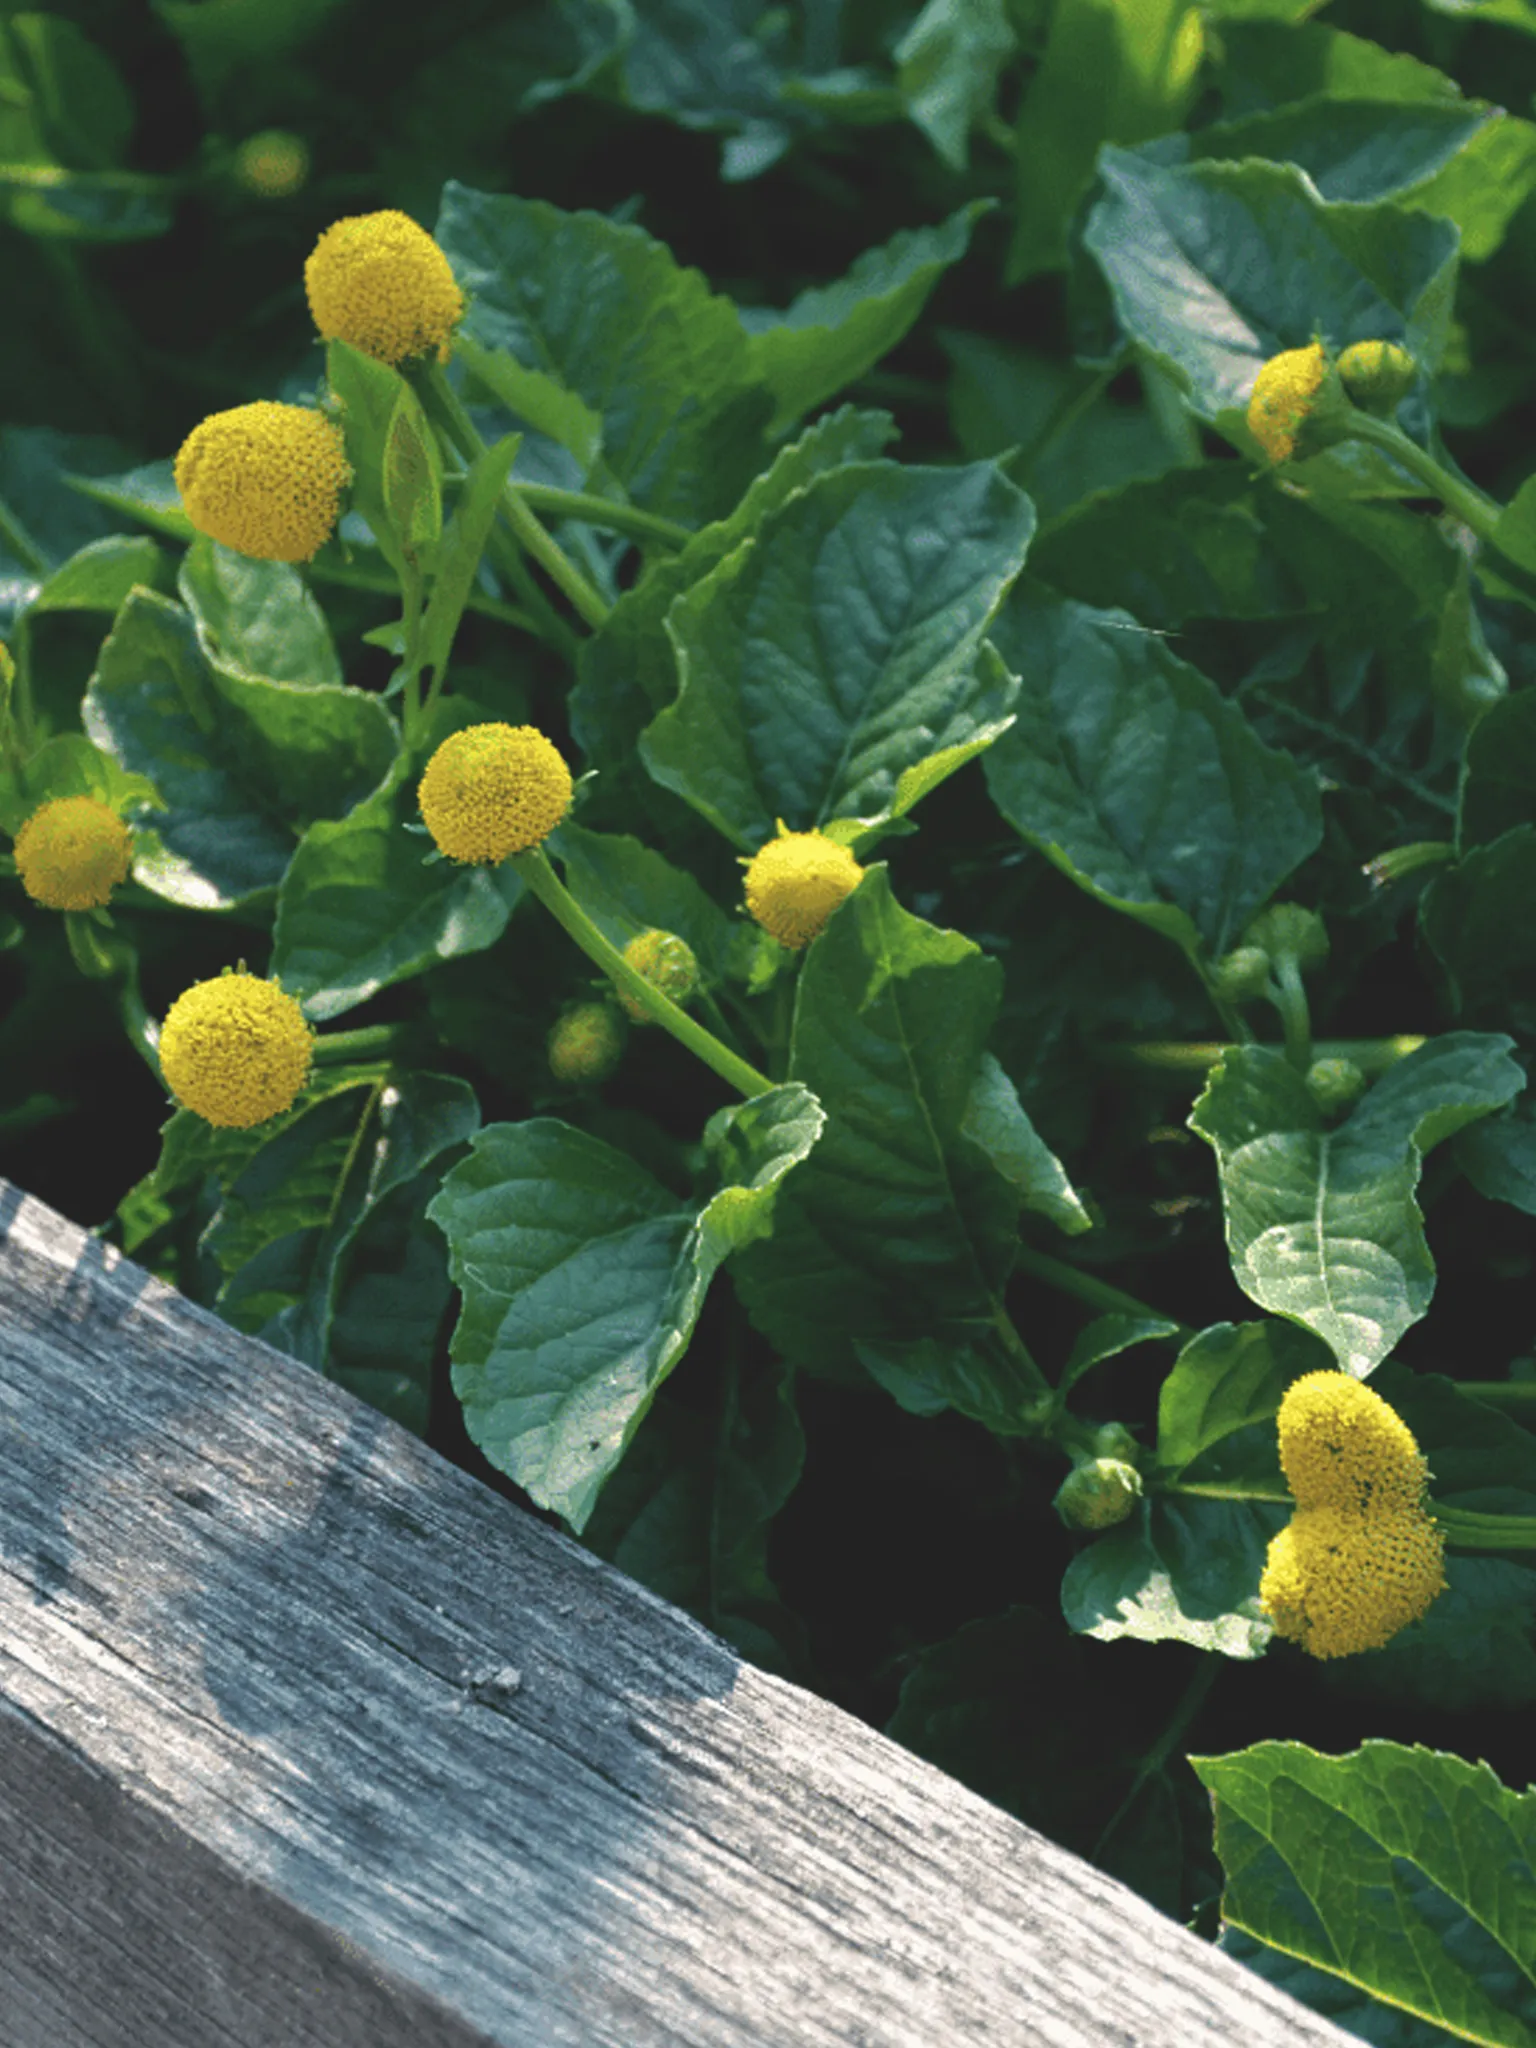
[306, 1737]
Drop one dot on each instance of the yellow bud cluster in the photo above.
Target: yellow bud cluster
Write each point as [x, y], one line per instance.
[380, 282]
[493, 790]
[1361, 1557]
[796, 881]
[273, 164]
[236, 1050]
[1284, 394]
[667, 963]
[265, 479]
[72, 852]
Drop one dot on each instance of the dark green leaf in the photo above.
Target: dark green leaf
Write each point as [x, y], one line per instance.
[258, 616]
[840, 648]
[1475, 917]
[97, 577]
[1118, 749]
[1179, 1571]
[626, 887]
[947, 69]
[1498, 787]
[833, 333]
[1218, 1404]
[1322, 1225]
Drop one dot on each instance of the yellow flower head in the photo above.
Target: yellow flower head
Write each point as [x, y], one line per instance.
[273, 164]
[1285, 395]
[1337, 1581]
[235, 1049]
[491, 790]
[1342, 1446]
[796, 881]
[1378, 375]
[71, 853]
[584, 1044]
[380, 282]
[265, 479]
[667, 962]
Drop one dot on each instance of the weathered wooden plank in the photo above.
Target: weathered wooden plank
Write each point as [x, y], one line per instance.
[308, 1737]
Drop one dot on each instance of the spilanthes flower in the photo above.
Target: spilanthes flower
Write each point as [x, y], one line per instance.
[796, 881]
[273, 164]
[1342, 1446]
[380, 282]
[584, 1044]
[265, 479]
[666, 962]
[72, 852]
[235, 1049]
[493, 790]
[1337, 1581]
[1297, 405]
[1377, 375]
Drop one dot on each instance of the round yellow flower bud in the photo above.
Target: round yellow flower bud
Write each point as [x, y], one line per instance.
[492, 790]
[1337, 1581]
[265, 479]
[796, 881]
[273, 164]
[667, 962]
[1287, 396]
[235, 1049]
[380, 282]
[1342, 1446]
[1377, 375]
[585, 1044]
[72, 852]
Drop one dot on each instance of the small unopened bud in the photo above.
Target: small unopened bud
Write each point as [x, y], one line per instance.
[1334, 1084]
[1378, 375]
[585, 1043]
[1099, 1493]
[1241, 975]
[1287, 929]
[667, 963]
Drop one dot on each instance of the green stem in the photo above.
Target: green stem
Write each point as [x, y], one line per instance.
[410, 599]
[544, 883]
[1239, 1490]
[1289, 995]
[1097, 1293]
[367, 1042]
[1468, 1530]
[1201, 1681]
[352, 577]
[434, 388]
[603, 512]
[1516, 1392]
[1372, 1056]
[1024, 1359]
[1482, 514]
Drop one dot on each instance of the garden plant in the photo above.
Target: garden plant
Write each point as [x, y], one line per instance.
[779, 765]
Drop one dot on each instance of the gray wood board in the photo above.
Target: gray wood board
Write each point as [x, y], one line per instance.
[307, 1737]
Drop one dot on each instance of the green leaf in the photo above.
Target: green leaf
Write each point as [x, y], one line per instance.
[68, 765]
[98, 577]
[82, 109]
[1213, 267]
[995, 1122]
[1498, 785]
[1498, 1155]
[458, 558]
[390, 1305]
[628, 668]
[1179, 1571]
[839, 648]
[1474, 918]
[412, 476]
[981, 1382]
[582, 1281]
[947, 70]
[292, 1216]
[371, 395]
[361, 906]
[1216, 1409]
[1106, 1337]
[1406, 1872]
[540, 401]
[605, 313]
[257, 616]
[1129, 770]
[688, 1512]
[148, 494]
[1321, 1224]
[897, 1221]
[1112, 71]
[833, 333]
